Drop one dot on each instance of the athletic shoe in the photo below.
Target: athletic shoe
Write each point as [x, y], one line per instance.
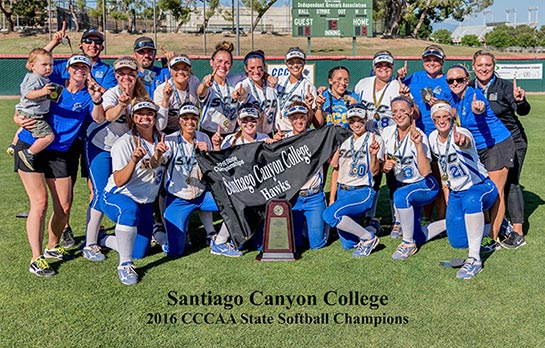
[489, 245]
[10, 150]
[58, 252]
[514, 241]
[364, 247]
[470, 269]
[127, 274]
[41, 268]
[210, 237]
[225, 249]
[506, 229]
[404, 251]
[93, 253]
[27, 158]
[67, 238]
[396, 232]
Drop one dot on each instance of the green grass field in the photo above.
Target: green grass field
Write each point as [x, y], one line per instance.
[86, 305]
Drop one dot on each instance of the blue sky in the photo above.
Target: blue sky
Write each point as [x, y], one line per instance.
[498, 14]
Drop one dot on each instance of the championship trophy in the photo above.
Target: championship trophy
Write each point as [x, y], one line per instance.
[278, 238]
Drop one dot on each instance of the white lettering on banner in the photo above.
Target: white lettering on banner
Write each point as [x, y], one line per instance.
[281, 70]
[520, 71]
[228, 164]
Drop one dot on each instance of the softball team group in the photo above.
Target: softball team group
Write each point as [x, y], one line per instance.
[444, 142]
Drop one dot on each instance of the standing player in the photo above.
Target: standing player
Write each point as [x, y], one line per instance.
[294, 87]
[351, 193]
[138, 170]
[470, 190]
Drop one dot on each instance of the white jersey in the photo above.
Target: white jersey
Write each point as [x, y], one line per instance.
[218, 108]
[144, 184]
[183, 177]
[167, 118]
[316, 180]
[355, 161]
[267, 101]
[104, 135]
[378, 102]
[462, 166]
[288, 93]
[228, 141]
[404, 151]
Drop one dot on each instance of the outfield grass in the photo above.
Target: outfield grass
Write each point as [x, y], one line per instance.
[85, 304]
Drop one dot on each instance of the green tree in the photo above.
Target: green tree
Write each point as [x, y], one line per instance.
[470, 40]
[33, 10]
[180, 11]
[442, 36]
[526, 36]
[76, 7]
[260, 7]
[501, 36]
[96, 13]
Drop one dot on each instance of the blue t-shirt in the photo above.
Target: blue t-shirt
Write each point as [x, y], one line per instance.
[67, 118]
[334, 110]
[486, 128]
[101, 72]
[154, 77]
[420, 83]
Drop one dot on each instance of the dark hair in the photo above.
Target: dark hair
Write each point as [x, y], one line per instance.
[335, 68]
[259, 54]
[130, 122]
[404, 99]
[224, 46]
[459, 66]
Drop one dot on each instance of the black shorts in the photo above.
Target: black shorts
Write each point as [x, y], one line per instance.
[498, 156]
[53, 164]
[77, 149]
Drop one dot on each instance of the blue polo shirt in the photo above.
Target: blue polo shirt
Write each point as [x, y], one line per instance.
[103, 73]
[154, 77]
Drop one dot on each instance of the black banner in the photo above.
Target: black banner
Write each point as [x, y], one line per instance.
[243, 178]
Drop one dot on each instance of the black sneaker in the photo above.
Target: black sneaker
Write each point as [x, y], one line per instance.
[57, 252]
[10, 150]
[67, 238]
[514, 241]
[27, 158]
[489, 245]
[41, 268]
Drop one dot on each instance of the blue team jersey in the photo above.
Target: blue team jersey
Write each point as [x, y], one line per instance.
[67, 118]
[420, 83]
[486, 128]
[334, 109]
[101, 72]
[154, 77]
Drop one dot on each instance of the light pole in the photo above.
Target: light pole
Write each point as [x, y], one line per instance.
[104, 26]
[204, 24]
[49, 15]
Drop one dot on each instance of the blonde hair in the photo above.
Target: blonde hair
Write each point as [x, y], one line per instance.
[34, 54]
[225, 46]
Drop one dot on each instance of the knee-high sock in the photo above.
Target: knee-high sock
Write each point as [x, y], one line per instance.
[125, 236]
[94, 218]
[474, 228]
[373, 211]
[406, 217]
[109, 242]
[207, 220]
[223, 235]
[351, 226]
[432, 229]
[161, 238]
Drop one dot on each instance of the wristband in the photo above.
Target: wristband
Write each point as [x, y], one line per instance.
[100, 101]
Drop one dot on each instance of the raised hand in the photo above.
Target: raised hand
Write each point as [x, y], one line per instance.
[240, 94]
[168, 55]
[168, 90]
[388, 164]
[208, 80]
[518, 92]
[320, 99]
[374, 147]
[278, 135]
[60, 35]
[161, 147]
[95, 90]
[402, 72]
[416, 136]
[139, 151]
[124, 98]
[201, 145]
[477, 106]
[459, 139]
[309, 98]
[217, 138]
[404, 90]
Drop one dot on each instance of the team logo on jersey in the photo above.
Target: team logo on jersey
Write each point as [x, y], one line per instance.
[99, 74]
[77, 107]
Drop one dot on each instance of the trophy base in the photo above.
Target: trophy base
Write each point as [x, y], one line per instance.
[264, 256]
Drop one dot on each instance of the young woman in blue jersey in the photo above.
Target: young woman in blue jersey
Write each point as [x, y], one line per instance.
[138, 170]
[219, 108]
[309, 204]
[293, 87]
[101, 138]
[507, 100]
[78, 103]
[185, 190]
[332, 102]
[408, 157]
[170, 95]
[255, 89]
[492, 139]
[469, 190]
[351, 192]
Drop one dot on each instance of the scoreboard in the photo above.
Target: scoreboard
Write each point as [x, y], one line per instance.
[332, 18]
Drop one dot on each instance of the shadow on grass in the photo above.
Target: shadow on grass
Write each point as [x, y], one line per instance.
[531, 202]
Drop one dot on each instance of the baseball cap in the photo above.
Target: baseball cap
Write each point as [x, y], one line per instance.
[143, 42]
[295, 53]
[179, 59]
[383, 57]
[126, 62]
[297, 109]
[92, 32]
[434, 51]
[189, 109]
[144, 105]
[78, 58]
[356, 110]
[248, 110]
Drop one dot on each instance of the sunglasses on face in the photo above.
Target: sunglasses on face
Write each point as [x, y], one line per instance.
[90, 41]
[457, 80]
